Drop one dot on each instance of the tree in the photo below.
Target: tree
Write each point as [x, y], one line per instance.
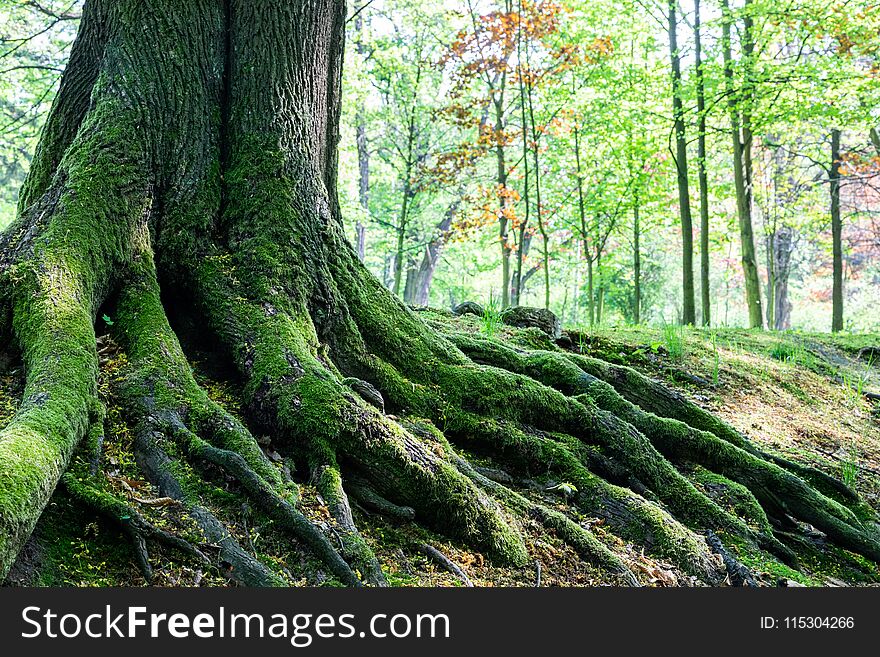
[705, 301]
[688, 312]
[836, 232]
[741, 131]
[195, 186]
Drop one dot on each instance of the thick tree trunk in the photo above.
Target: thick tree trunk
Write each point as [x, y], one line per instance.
[196, 178]
[836, 236]
[684, 199]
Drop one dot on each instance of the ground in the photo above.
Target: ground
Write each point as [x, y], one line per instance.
[794, 394]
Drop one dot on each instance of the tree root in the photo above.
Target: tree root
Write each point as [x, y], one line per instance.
[138, 528]
[367, 497]
[235, 562]
[447, 563]
[329, 484]
[779, 491]
[739, 574]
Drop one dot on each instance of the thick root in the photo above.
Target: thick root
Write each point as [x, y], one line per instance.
[779, 491]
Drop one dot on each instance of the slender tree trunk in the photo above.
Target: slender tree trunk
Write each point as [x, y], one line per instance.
[637, 265]
[501, 178]
[875, 140]
[524, 240]
[545, 237]
[600, 295]
[363, 149]
[403, 219]
[428, 265]
[585, 233]
[783, 244]
[836, 236]
[684, 199]
[705, 294]
[742, 167]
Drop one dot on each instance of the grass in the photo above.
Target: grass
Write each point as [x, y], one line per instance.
[788, 352]
[673, 339]
[849, 467]
[716, 360]
[490, 320]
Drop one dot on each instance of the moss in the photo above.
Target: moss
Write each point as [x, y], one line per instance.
[734, 497]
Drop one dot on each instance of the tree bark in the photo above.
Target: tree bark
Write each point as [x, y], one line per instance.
[684, 199]
[423, 274]
[637, 265]
[781, 247]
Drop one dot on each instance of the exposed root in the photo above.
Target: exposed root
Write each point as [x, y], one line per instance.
[354, 547]
[739, 574]
[779, 491]
[138, 528]
[664, 402]
[448, 564]
[235, 562]
[367, 497]
[282, 511]
[161, 387]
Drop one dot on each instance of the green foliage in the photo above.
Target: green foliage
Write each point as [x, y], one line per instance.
[673, 339]
[849, 467]
[490, 320]
[788, 352]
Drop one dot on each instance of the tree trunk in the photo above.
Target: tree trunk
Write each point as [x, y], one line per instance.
[199, 183]
[836, 236]
[423, 275]
[501, 177]
[637, 265]
[684, 199]
[782, 248]
[742, 165]
[363, 149]
[545, 238]
[705, 294]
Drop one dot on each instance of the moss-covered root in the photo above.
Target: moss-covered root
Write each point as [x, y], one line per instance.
[162, 472]
[53, 328]
[664, 402]
[294, 390]
[87, 489]
[588, 547]
[274, 505]
[412, 471]
[329, 484]
[160, 387]
[779, 491]
[630, 515]
[365, 495]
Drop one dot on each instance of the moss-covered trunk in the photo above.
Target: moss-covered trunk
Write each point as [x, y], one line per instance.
[188, 170]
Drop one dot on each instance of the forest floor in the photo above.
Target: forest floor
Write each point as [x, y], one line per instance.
[805, 396]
